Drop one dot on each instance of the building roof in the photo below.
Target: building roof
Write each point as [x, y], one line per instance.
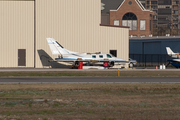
[107, 5]
[110, 5]
[154, 38]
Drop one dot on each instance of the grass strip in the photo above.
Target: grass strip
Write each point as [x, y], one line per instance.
[93, 73]
[102, 101]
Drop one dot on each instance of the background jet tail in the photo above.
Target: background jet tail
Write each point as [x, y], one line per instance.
[55, 47]
[172, 54]
[169, 51]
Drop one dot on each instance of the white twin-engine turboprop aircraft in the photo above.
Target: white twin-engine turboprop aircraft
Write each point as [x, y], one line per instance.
[98, 58]
[176, 58]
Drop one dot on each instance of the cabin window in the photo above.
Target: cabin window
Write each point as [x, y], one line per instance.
[108, 56]
[100, 56]
[93, 56]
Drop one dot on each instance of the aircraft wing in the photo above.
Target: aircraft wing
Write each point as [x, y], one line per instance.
[89, 60]
[71, 60]
[177, 60]
[174, 60]
[114, 61]
[61, 60]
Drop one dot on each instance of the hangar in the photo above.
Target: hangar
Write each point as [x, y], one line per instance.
[76, 24]
[153, 45]
[153, 49]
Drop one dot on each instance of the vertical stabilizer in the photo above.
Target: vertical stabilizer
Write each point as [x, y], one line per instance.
[172, 54]
[55, 47]
[169, 51]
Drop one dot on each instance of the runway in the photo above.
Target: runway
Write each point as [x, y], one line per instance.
[56, 69]
[9, 80]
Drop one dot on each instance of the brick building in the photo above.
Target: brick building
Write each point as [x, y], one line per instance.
[128, 13]
[166, 16]
[132, 13]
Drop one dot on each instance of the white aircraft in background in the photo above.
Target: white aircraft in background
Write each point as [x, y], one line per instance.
[176, 57]
[171, 53]
[65, 55]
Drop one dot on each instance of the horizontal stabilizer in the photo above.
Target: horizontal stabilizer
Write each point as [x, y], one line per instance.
[55, 47]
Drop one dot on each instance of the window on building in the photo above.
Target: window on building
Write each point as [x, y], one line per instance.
[153, 2]
[116, 22]
[130, 20]
[164, 6]
[154, 12]
[164, 2]
[113, 52]
[142, 24]
[164, 12]
[176, 12]
[154, 17]
[154, 7]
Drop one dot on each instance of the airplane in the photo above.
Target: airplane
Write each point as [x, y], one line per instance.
[171, 53]
[176, 61]
[74, 58]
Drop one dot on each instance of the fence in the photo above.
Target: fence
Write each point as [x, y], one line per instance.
[150, 60]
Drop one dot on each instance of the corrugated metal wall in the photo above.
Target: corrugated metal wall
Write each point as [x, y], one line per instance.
[76, 25]
[154, 45]
[73, 23]
[16, 31]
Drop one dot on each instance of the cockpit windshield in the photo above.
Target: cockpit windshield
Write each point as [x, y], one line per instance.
[109, 56]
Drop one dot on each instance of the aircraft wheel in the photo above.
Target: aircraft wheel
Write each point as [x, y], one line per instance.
[111, 64]
[76, 63]
[131, 65]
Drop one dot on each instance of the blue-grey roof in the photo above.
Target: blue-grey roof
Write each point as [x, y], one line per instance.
[110, 5]
[155, 38]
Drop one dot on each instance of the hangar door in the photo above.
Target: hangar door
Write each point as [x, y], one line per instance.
[21, 57]
[16, 32]
[152, 47]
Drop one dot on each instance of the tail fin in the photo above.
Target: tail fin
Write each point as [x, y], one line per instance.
[55, 47]
[169, 51]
